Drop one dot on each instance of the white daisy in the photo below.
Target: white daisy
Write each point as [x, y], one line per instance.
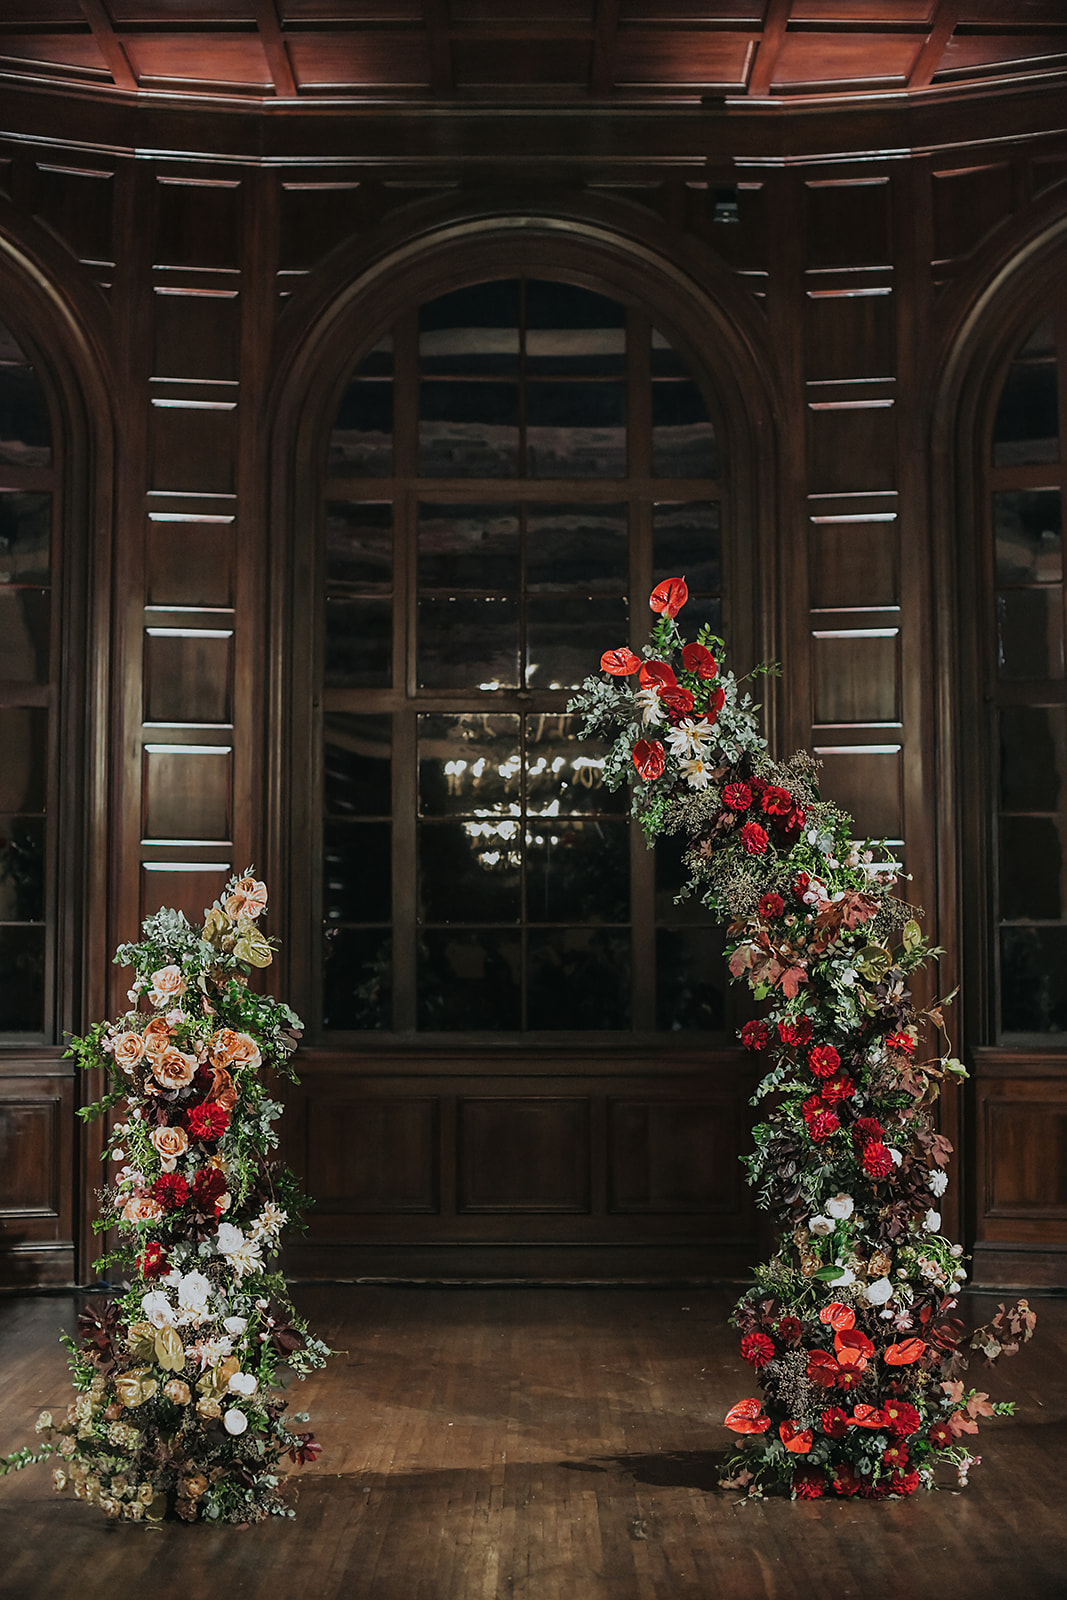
[648, 704]
[696, 773]
[690, 738]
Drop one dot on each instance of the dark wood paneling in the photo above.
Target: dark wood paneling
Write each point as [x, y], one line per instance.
[853, 446]
[198, 222]
[523, 1154]
[849, 333]
[36, 1160]
[868, 785]
[188, 793]
[196, 333]
[856, 675]
[853, 564]
[669, 1157]
[77, 203]
[191, 446]
[1021, 1150]
[374, 1155]
[188, 561]
[189, 888]
[848, 222]
[968, 204]
[189, 676]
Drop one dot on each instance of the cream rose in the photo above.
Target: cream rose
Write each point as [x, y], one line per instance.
[127, 1050]
[174, 1070]
[170, 1142]
[237, 1049]
[249, 899]
[156, 1037]
[142, 1208]
[167, 985]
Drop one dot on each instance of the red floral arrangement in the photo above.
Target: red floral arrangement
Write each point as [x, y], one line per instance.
[849, 1326]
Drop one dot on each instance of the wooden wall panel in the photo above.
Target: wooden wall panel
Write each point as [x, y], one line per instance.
[36, 1169]
[188, 886]
[1021, 1150]
[857, 675]
[188, 794]
[523, 1154]
[189, 561]
[375, 1155]
[849, 333]
[853, 446]
[198, 222]
[197, 332]
[188, 676]
[191, 446]
[848, 222]
[854, 564]
[669, 1157]
[969, 202]
[866, 781]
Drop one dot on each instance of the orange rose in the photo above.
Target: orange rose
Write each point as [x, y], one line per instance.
[167, 985]
[142, 1208]
[249, 899]
[174, 1070]
[127, 1050]
[237, 1049]
[157, 1037]
[170, 1142]
[222, 1092]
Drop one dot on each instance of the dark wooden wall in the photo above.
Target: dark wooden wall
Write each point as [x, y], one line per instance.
[208, 284]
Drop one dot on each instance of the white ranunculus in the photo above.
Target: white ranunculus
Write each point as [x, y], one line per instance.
[228, 1238]
[937, 1183]
[243, 1383]
[840, 1207]
[878, 1292]
[194, 1293]
[932, 1221]
[157, 1309]
[235, 1422]
[235, 1325]
[820, 1226]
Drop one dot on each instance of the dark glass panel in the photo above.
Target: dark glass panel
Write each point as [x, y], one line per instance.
[21, 980]
[361, 444]
[689, 979]
[666, 362]
[563, 638]
[377, 363]
[24, 635]
[700, 611]
[1030, 632]
[469, 765]
[670, 876]
[25, 429]
[1033, 980]
[21, 869]
[578, 978]
[468, 430]
[578, 871]
[471, 330]
[683, 439]
[469, 871]
[359, 547]
[1026, 428]
[469, 547]
[359, 643]
[1041, 343]
[1031, 867]
[687, 543]
[1033, 757]
[24, 741]
[565, 773]
[357, 877]
[468, 644]
[569, 329]
[357, 978]
[357, 764]
[25, 528]
[576, 430]
[577, 547]
[469, 979]
[1027, 528]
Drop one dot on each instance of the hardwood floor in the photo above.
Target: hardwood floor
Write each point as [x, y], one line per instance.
[543, 1444]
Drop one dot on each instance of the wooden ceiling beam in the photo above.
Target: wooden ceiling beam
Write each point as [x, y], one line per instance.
[775, 23]
[605, 40]
[442, 78]
[275, 50]
[109, 45]
[946, 16]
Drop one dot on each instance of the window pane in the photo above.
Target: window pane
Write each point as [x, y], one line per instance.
[1030, 632]
[21, 980]
[562, 638]
[578, 871]
[687, 542]
[25, 527]
[683, 439]
[359, 547]
[468, 430]
[357, 775]
[564, 774]
[24, 616]
[1027, 529]
[357, 978]
[1031, 868]
[471, 330]
[1033, 757]
[577, 547]
[469, 871]
[578, 978]
[21, 869]
[689, 986]
[670, 875]
[569, 329]
[576, 430]
[1026, 428]
[1033, 980]
[470, 979]
[469, 547]
[465, 644]
[359, 643]
[666, 362]
[469, 765]
[24, 741]
[25, 431]
[361, 444]
[357, 877]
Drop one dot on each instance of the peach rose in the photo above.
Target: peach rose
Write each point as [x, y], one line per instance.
[178, 1391]
[142, 1208]
[167, 985]
[157, 1037]
[127, 1050]
[174, 1070]
[170, 1142]
[222, 1092]
[249, 899]
[236, 1049]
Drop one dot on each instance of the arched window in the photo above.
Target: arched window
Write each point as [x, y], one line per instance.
[511, 468]
[29, 480]
[1027, 475]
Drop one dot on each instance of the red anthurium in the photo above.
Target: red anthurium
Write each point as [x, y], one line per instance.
[677, 701]
[649, 759]
[747, 1417]
[902, 1355]
[823, 1368]
[868, 1417]
[798, 1440]
[620, 663]
[657, 675]
[853, 1347]
[669, 597]
[698, 658]
[837, 1316]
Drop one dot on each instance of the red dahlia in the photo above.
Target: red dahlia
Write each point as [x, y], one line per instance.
[904, 1482]
[207, 1122]
[902, 1417]
[789, 1330]
[895, 1455]
[867, 1128]
[877, 1162]
[171, 1190]
[844, 1480]
[153, 1262]
[737, 796]
[835, 1089]
[824, 1060]
[822, 1125]
[757, 1349]
[808, 1483]
[209, 1186]
[771, 907]
[777, 802]
[796, 1032]
[834, 1422]
[755, 1036]
[940, 1436]
[812, 1106]
[753, 839]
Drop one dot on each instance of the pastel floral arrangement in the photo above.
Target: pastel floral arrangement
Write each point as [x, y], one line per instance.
[849, 1326]
[179, 1412]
